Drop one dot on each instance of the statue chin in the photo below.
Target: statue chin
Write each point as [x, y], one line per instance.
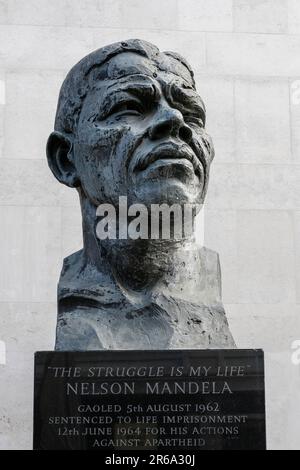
[169, 169]
[171, 191]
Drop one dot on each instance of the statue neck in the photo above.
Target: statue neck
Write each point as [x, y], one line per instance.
[137, 266]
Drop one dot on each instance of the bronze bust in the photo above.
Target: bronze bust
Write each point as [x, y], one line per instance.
[130, 123]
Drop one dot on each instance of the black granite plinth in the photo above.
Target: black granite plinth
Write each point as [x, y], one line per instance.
[150, 400]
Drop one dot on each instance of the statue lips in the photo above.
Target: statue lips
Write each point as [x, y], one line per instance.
[168, 155]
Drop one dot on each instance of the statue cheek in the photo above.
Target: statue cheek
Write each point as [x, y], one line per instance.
[103, 159]
[97, 148]
[100, 137]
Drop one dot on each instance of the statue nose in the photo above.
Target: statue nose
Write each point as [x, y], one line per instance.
[169, 122]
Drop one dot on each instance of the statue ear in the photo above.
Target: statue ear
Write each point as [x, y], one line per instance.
[59, 149]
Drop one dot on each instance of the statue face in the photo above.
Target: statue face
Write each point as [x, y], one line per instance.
[141, 134]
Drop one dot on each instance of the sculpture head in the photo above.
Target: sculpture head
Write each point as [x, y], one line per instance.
[130, 123]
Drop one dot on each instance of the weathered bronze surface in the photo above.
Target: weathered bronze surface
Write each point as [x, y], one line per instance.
[130, 123]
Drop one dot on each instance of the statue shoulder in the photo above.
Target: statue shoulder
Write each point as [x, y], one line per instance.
[72, 264]
[210, 265]
[211, 257]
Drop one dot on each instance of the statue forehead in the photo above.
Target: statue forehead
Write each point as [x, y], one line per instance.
[130, 64]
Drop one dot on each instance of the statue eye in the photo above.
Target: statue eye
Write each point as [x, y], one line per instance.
[127, 108]
[193, 119]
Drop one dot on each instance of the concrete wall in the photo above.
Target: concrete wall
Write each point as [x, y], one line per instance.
[246, 54]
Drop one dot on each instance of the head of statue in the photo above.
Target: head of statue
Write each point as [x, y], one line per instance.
[130, 123]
